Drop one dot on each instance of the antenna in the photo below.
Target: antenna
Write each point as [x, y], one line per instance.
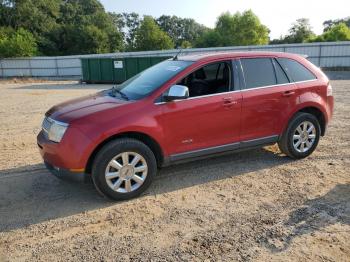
[176, 56]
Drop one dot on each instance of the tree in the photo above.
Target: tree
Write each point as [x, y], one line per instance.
[59, 26]
[300, 31]
[329, 23]
[149, 36]
[278, 41]
[181, 30]
[242, 29]
[210, 38]
[36, 16]
[185, 44]
[132, 23]
[16, 43]
[127, 24]
[337, 32]
[238, 29]
[85, 28]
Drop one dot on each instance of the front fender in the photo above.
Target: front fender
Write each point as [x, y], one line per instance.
[100, 128]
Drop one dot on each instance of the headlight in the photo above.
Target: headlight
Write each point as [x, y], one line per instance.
[54, 129]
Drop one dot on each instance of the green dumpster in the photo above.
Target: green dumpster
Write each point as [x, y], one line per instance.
[115, 70]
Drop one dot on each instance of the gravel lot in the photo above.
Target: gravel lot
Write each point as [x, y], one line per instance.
[257, 205]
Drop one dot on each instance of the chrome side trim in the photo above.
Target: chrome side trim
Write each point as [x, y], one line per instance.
[259, 141]
[198, 97]
[235, 91]
[205, 151]
[224, 148]
[262, 87]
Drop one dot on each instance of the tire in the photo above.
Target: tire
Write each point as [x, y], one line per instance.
[110, 173]
[288, 143]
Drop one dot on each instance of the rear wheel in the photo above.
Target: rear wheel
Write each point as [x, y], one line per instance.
[301, 136]
[123, 169]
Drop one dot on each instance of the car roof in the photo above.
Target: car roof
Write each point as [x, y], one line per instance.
[231, 55]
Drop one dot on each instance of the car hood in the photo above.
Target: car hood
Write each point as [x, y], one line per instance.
[87, 105]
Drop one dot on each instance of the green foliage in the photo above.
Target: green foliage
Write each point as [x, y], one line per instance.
[237, 29]
[67, 27]
[210, 38]
[242, 29]
[36, 16]
[18, 43]
[127, 24]
[329, 23]
[337, 32]
[149, 36]
[300, 32]
[183, 31]
[84, 28]
[63, 27]
[186, 44]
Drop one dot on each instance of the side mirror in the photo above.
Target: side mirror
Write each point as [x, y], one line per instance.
[176, 92]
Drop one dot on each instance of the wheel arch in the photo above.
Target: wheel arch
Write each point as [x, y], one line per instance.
[145, 138]
[318, 114]
[314, 110]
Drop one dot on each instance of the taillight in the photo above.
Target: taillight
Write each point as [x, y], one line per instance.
[329, 90]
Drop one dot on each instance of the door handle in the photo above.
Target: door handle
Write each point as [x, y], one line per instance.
[288, 93]
[228, 101]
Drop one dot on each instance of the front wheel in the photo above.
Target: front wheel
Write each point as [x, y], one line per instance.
[123, 169]
[301, 136]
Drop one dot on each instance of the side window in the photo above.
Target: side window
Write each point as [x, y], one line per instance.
[295, 70]
[258, 72]
[220, 73]
[211, 71]
[210, 79]
[280, 74]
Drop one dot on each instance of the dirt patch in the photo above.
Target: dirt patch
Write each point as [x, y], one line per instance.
[29, 80]
[250, 206]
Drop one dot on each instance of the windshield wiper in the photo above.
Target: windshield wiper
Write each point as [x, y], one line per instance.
[115, 90]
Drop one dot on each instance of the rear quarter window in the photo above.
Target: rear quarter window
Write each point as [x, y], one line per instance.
[295, 70]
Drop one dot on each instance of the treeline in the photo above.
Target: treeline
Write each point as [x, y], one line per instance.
[67, 27]
[301, 32]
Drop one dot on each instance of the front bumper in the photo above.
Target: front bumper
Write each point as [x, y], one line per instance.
[65, 160]
[68, 175]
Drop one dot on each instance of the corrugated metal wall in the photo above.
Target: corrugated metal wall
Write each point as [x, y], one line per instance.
[331, 54]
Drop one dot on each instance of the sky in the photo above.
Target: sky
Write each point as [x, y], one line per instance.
[276, 15]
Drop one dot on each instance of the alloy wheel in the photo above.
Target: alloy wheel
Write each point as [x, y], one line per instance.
[126, 172]
[304, 136]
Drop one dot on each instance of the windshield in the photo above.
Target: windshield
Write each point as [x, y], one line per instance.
[144, 83]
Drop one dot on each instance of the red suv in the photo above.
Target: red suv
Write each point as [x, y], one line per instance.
[186, 108]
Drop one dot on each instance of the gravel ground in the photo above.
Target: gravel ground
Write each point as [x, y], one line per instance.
[250, 206]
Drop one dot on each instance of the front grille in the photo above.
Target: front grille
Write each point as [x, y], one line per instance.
[46, 124]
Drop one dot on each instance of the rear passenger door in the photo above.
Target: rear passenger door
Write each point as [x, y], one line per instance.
[267, 98]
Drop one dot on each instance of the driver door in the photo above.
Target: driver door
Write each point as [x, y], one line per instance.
[206, 120]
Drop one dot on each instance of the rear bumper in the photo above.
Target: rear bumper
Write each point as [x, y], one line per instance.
[330, 107]
[329, 113]
[67, 175]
